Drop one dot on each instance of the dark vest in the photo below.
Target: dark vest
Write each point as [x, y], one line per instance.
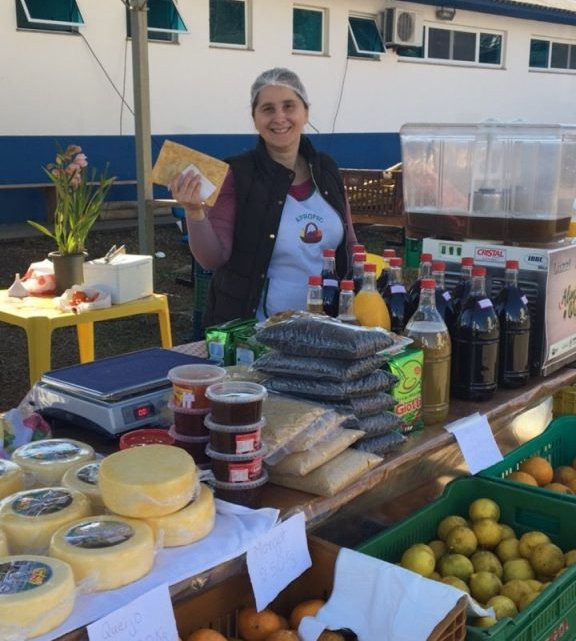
[261, 187]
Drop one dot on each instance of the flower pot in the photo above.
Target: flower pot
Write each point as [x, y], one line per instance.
[68, 270]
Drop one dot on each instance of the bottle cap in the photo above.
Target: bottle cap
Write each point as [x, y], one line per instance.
[427, 283]
[329, 253]
[395, 261]
[438, 266]
[511, 264]
[347, 284]
[370, 267]
[389, 253]
[358, 249]
[468, 260]
[314, 280]
[479, 271]
[425, 258]
[359, 257]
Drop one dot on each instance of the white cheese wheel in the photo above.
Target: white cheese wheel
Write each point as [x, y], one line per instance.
[29, 518]
[190, 524]
[106, 551]
[36, 594]
[4, 549]
[150, 480]
[46, 461]
[12, 478]
[84, 478]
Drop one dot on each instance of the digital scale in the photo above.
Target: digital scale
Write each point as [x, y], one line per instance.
[112, 395]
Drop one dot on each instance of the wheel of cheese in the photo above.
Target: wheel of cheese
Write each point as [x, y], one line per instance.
[37, 594]
[190, 524]
[29, 518]
[46, 461]
[150, 480]
[12, 478]
[4, 549]
[83, 477]
[106, 551]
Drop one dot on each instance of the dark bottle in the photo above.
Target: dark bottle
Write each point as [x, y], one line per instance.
[424, 271]
[358, 260]
[444, 302]
[475, 344]
[462, 287]
[396, 297]
[511, 307]
[382, 281]
[357, 248]
[330, 290]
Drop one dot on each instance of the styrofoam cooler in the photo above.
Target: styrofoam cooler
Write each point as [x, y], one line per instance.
[128, 277]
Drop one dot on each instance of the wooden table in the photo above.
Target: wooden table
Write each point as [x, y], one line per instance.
[38, 316]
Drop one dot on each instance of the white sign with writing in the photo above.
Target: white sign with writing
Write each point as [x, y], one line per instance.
[476, 441]
[277, 558]
[150, 617]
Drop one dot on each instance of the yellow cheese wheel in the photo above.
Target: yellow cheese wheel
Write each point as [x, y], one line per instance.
[12, 478]
[46, 461]
[29, 518]
[36, 594]
[83, 477]
[4, 549]
[105, 551]
[192, 523]
[150, 480]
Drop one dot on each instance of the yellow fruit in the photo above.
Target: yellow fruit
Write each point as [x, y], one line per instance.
[283, 635]
[420, 559]
[547, 559]
[447, 523]
[206, 634]
[484, 560]
[515, 590]
[526, 600]
[307, 608]
[570, 558]
[438, 547]
[507, 532]
[508, 549]
[483, 622]
[572, 485]
[435, 576]
[536, 586]
[488, 532]
[558, 487]
[503, 606]
[462, 540]
[529, 540]
[484, 585]
[455, 582]
[539, 468]
[522, 477]
[564, 474]
[456, 565]
[517, 569]
[257, 626]
[484, 509]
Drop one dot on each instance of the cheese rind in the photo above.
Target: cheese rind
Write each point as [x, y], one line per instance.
[190, 524]
[46, 461]
[83, 477]
[12, 478]
[105, 551]
[29, 518]
[37, 594]
[152, 480]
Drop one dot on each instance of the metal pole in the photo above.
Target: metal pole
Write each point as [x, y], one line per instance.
[143, 134]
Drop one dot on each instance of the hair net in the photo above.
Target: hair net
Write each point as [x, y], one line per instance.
[279, 76]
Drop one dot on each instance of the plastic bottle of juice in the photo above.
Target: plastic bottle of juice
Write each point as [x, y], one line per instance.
[370, 308]
[396, 297]
[444, 302]
[314, 302]
[346, 311]
[330, 290]
[382, 281]
[429, 332]
[511, 307]
[475, 344]
[424, 271]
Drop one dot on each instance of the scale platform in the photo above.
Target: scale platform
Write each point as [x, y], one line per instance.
[112, 395]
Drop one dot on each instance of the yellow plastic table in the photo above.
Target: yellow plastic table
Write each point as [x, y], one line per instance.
[39, 316]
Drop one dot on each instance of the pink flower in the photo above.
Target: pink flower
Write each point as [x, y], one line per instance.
[81, 160]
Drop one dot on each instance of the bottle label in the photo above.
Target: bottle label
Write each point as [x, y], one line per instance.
[524, 299]
[329, 282]
[446, 295]
[484, 303]
[397, 289]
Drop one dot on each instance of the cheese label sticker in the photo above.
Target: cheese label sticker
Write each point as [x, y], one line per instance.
[38, 502]
[51, 451]
[88, 473]
[20, 576]
[99, 534]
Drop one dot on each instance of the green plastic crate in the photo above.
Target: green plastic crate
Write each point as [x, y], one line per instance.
[557, 444]
[554, 611]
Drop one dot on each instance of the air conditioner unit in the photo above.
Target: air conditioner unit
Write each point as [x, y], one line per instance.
[402, 28]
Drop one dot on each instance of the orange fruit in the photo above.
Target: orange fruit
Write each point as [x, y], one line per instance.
[257, 626]
[307, 608]
[522, 477]
[539, 468]
[572, 485]
[558, 487]
[206, 634]
[283, 635]
[564, 474]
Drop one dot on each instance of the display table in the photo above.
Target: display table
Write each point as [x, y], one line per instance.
[38, 316]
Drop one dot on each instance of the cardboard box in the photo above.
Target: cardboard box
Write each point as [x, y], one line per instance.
[128, 277]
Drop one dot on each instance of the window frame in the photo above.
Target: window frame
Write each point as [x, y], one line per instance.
[323, 36]
[551, 43]
[247, 28]
[160, 34]
[43, 24]
[362, 53]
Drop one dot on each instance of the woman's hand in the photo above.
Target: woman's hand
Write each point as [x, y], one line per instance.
[185, 188]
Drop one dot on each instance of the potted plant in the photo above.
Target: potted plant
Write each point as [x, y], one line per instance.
[79, 200]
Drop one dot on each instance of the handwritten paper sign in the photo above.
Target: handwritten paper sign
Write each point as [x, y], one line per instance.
[150, 617]
[277, 558]
[476, 441]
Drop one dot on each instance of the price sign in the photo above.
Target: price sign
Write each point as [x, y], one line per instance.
[476, 440]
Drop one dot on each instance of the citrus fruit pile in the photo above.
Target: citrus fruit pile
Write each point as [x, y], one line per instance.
[537, 471]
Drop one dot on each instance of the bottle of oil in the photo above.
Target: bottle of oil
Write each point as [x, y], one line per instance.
[430, 333]
[346, 311]
[370, 308]
[314, 302]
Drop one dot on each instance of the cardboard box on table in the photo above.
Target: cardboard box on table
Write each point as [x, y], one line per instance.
[128, 277]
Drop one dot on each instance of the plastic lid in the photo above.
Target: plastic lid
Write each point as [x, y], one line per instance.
[359, 257]
[467, 260]
[236, 458]
[185, 410]
[330, 253]
[146, 436]
[234, 429]
[358, 249]
[241, 485]
[196, 373]
[479, 271]
[428, 283]
[347, 285]
[389, 253]
[438, 266]
[182, 438]
[395, 261]
[512, 264]
[314, 280]
[370, 267]
[236, 392]
[425, 258]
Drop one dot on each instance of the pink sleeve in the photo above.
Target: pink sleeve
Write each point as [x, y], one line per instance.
[210, 240]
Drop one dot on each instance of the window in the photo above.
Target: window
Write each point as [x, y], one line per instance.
[364, 39]
[308, 30]
[545, 54]
[228, 22]
[458, 45]
[164, 21]
[48, 15]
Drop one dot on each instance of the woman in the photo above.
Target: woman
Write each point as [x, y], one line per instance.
[280, 205]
